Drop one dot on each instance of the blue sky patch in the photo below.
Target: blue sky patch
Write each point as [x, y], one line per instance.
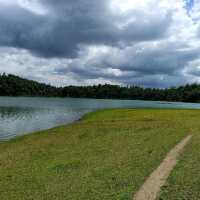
[189, 4]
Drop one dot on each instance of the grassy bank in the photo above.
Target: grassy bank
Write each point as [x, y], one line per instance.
[184, 182]
[105, 156]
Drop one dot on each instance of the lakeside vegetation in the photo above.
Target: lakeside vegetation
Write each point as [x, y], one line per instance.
[107, 155]
[11, 85]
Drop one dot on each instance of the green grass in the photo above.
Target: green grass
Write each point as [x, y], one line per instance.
[105, 156]
[184, 182]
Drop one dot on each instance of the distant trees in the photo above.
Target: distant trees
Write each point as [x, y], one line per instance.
[11, 85]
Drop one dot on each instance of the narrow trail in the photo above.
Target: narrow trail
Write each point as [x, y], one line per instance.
[151, 187]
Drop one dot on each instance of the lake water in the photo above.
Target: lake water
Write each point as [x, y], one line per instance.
[22, 115]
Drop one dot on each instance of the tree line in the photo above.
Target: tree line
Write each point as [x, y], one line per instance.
[11, 85]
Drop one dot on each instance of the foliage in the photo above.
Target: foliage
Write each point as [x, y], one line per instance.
[11, 85]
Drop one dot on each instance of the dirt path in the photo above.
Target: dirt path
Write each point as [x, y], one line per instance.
[156, 180]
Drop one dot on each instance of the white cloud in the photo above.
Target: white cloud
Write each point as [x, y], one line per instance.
[138, 57]
[34, 6]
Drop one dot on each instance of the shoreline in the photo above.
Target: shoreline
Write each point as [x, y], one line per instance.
[108, 152]
[82, 118]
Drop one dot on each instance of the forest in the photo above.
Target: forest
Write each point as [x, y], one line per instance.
[11, 85]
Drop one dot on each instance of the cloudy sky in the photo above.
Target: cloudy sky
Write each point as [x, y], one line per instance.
[151, 43]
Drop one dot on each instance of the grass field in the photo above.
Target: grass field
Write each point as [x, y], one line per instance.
[184, 182]
[105, 156]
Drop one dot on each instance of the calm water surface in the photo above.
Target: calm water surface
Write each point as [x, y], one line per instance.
[22, 115]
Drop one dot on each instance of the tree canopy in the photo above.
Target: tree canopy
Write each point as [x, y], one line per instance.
[11, 85]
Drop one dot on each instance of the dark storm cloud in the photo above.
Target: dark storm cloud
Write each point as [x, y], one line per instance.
[164, 60]
[16, 26]
[161, 66]
[87, 41]
[20, 28]
[70, 24]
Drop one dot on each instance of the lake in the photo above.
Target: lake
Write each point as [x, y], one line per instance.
[22, 115]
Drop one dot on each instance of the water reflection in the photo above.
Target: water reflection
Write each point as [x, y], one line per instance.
[19, 116]
[16, 121]
[15, 112]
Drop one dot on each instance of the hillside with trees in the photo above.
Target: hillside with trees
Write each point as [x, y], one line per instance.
[11, 85]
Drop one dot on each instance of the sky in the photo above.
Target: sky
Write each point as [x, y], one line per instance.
[148, 43]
